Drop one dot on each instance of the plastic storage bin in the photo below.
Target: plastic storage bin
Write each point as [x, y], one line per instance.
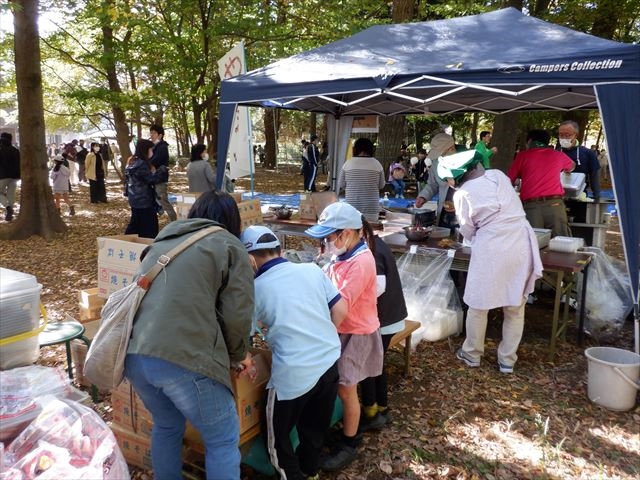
[573, 184]
[19, 302]
[566, 244]
[543, 236]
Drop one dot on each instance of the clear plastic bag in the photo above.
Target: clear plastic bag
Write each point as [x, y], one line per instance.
[430, 294]
[67, 440]
[608, 300]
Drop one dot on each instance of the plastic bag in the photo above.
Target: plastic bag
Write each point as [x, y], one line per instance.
[19, 390]
[430, 294]
[608, 300]
[67, 440]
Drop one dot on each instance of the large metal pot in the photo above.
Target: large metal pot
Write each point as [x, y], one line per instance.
[424, 217]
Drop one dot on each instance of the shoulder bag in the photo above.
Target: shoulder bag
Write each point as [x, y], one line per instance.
[104, 365]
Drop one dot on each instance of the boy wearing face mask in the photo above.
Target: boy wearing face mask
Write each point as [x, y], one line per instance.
[541, 190]
[94, 171]
[304, 342]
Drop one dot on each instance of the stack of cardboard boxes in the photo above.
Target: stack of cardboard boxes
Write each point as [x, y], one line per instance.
[132, 422]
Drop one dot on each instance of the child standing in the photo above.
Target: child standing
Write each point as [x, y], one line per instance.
[304, 341]
[353, 271]
[392, 311]
[397, 172]
[60, 176]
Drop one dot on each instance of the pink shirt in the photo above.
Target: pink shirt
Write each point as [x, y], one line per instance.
[539, 169]
[355, 279]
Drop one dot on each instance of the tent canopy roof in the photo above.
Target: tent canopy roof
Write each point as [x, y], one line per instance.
[494, 62]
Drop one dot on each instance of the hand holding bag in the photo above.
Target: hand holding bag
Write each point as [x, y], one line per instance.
[104, 365]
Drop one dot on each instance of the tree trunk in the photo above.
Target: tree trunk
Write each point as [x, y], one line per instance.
[403, 10]
[390, 139]
[119, 115]
[313, 120]
[474, 127]
[38, 215]
[271, 126]
[504, 138]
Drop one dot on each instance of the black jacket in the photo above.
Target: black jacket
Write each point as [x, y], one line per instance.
[140, 189]
[159, 159]
[9, 160]
[391, 304]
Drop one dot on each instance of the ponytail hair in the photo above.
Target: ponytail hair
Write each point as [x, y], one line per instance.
[367, 233]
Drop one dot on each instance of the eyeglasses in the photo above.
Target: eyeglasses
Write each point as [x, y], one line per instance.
[332, 237]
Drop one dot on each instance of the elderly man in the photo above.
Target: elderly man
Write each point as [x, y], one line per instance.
[441, 145]
[586, 159]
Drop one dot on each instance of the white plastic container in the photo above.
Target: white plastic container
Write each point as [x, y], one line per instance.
[20, 353]
[543, 236]
[614, 377]
[573, 184]
[19, 303]
[566, 244]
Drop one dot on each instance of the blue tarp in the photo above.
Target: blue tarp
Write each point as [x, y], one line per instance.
[494, 62]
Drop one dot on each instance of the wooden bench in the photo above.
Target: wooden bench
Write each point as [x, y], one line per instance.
[409, 327]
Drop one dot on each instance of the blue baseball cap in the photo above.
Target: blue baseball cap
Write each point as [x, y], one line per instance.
[336, 216]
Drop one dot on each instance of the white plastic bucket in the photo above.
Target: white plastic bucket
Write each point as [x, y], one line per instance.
[613, 377]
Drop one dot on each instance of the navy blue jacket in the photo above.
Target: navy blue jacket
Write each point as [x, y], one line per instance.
[140, 184]
[587, 163]
[159, 159]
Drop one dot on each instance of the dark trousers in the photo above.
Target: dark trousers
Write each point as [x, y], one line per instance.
[374, 389]
[97, 191]
[310, 173]
[144, 222]
[311, 415]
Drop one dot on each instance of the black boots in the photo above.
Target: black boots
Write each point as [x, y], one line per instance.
[9, 214]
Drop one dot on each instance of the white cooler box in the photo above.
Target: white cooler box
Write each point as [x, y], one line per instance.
[19, 315]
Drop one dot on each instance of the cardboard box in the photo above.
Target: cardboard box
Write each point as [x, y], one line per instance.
[237, 196]
[89, 298]
[250, 395]
[126, 414]
[250, 213]
[312, 204]
[89, 314]
[306, 210]
[136, 448]
[118, 261]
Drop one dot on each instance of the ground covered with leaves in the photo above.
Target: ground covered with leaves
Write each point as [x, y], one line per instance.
[448, 421]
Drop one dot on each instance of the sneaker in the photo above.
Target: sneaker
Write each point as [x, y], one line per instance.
[339, 459]
[372, 423]
[460, 355]
[505, 368]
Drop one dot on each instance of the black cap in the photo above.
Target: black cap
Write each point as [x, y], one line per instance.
[313, 137]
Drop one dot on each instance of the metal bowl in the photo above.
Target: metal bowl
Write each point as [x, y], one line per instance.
[284, 213]
[417, 234]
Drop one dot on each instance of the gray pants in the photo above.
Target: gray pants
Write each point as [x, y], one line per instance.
[161, 191]
[512, 328]
[8, 191]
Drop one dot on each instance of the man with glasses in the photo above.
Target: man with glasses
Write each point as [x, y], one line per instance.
[586, 159]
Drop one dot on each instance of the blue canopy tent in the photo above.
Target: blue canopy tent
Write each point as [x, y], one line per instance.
[495, 62]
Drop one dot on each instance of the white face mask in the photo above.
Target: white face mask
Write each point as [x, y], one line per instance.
[331, 249]
[205, 156]
[566, 142]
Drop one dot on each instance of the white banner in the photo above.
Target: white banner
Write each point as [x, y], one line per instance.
[240, 153]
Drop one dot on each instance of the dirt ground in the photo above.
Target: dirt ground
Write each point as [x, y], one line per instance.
[448, 421]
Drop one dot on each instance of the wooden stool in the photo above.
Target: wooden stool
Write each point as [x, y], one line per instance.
[409, 327]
